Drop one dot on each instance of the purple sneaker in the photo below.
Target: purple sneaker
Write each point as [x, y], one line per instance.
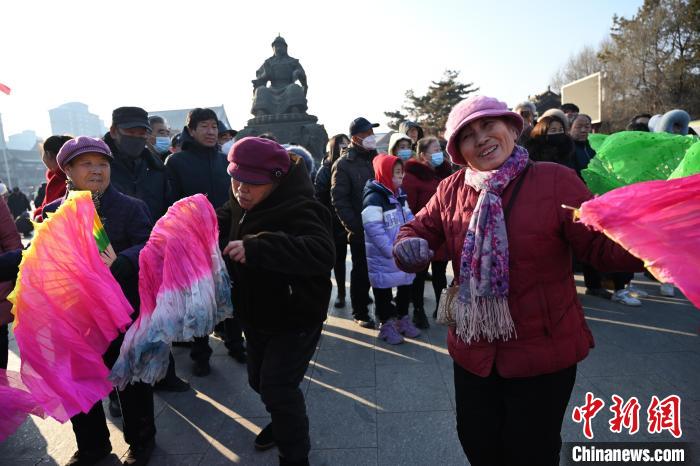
[388, 333]
[406, 327]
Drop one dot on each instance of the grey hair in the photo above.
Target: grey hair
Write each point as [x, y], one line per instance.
[590, 120]
[156, 119]
[529, 105]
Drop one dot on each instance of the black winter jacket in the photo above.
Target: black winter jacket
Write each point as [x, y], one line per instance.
[348, 178]
[198, 169]
[143, 178]
[285, 283]
[582, 155]
[542, 149]
[322, 186]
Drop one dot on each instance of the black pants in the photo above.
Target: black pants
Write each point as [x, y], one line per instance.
[233, 333]
[200, 351]
[138, 418]
[512, 421]
[383, 307]
[439, 284]
[591, 277]
[276, 366]
[136, 400]
[170, 375]
[359, 279]
[231, 329]
[341, 252]
[4, 346]
[621, 279]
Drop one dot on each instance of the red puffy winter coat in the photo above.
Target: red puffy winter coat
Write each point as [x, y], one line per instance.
[551, 330]
[420, 183]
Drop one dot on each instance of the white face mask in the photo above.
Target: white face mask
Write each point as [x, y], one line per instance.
[227, 146]
[370, 142]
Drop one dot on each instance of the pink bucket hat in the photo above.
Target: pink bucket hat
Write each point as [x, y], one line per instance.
[472, 109]
[81, 145]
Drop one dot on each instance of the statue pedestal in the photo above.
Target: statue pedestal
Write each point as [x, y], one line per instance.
[297, 128]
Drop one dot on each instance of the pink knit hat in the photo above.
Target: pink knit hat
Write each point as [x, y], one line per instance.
[257, 161]
[471, 109]
[81, 145]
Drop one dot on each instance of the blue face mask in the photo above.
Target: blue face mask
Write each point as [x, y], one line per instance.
[437, 158]
[404, 154]
[162, 144]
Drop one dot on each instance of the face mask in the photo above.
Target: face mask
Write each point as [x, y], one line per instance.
[370, 142]
[131, 146]
[162, 144]
[227, 146]
[436, 159]
[559, 139]
[405, 154]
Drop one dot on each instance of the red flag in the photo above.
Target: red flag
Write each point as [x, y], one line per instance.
[4, 89]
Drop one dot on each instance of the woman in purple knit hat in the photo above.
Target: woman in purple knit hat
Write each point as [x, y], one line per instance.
[86, 164]
[519, 327]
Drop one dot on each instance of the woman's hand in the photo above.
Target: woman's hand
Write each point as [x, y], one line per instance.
[235, 251]
[412, 254]
[108, 256]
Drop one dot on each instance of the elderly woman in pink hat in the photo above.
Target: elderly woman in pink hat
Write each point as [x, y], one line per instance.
[519, 327]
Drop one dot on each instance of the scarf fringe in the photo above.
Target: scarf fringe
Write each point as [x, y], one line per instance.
[484, 317]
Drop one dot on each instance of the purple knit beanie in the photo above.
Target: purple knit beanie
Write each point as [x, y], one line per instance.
[81, 145]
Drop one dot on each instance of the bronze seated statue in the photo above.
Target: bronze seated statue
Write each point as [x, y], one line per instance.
[283, 95]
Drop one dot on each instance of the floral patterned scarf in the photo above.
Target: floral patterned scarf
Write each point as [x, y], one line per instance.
[482, 309]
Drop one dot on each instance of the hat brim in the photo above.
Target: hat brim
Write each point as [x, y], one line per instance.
[364, 128]
[242, 175]
[514, 118]
[134, 124]
[86, 150]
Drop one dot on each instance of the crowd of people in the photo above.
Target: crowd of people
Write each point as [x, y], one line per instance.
[486, 197]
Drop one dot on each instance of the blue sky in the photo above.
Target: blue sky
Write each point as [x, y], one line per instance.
[360, 57]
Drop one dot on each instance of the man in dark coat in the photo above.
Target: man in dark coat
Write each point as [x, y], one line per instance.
[18, 202]
[139, 173]
[348, 178]
[136, 172]
[279, 251]
[200, 167]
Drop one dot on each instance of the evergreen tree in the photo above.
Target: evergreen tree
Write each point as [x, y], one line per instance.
[432, 109]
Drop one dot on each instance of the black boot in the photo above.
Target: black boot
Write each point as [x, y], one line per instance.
[339, 301]
[138, 455]
[89, 457]
[265, 439]
[419, 318]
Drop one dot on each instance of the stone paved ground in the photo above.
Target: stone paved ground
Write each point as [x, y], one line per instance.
[374, 404]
